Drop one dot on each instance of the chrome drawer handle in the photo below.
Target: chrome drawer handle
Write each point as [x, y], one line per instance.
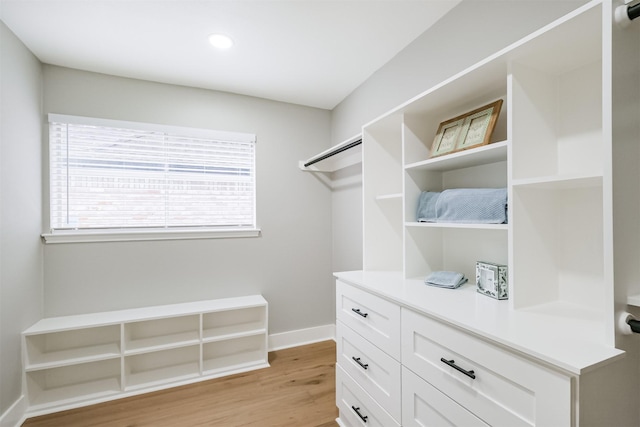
[364, 366]
[357, 411]
[358, 312]
[452, 363]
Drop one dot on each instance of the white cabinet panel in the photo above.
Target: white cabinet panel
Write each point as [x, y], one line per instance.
[499, 387]
[356, 407]
[375, 371]
[425, 406]
[374, 318]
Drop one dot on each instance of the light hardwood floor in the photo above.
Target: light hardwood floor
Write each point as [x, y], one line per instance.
[297, 390]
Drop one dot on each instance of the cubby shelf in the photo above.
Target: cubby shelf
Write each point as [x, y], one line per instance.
[502, 227]
[393, 196]
[483, 155]
[79, 360]
[227, 332]
[73, 356]
[559, 182]
[164, 342]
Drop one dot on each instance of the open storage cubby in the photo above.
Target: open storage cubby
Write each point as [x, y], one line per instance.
[432, 248]
[236, 353]
[84, 359]
[156, 334]
[149, 369]
[453, 247]
[556, 97]
[558, 246]
[67, 347]
[226, 324]
[48, 388]
[420, 127]
[417, 180]
[557, 125]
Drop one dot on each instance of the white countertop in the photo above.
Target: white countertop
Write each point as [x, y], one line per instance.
[558, 334]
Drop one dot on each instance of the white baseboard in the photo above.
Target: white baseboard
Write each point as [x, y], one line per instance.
[301, 337]
[15, 415]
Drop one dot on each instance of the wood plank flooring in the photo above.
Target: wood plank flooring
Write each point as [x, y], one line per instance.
[297, 390]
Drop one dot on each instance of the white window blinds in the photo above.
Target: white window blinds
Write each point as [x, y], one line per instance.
[123, 175]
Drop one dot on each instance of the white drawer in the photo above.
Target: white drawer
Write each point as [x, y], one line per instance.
[374, 370]
[507, 390]
[374, 318]
[423, 405]
[356, 407]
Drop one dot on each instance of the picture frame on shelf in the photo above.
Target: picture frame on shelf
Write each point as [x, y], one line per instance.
[478, 126]
[447, 136]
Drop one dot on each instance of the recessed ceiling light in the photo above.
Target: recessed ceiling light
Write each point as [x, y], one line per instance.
[220, 41]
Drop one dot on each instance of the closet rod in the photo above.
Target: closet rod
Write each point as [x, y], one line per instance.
[624, 14]
[634, 325]
[633, 11]
[334, 152]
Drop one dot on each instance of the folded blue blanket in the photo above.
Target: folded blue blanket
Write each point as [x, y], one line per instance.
[427, 206]
[464, 205]
[445, 279]
[473, 205]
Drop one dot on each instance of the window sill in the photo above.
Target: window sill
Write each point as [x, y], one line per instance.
[76, 236]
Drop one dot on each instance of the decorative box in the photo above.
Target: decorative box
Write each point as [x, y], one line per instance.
[491, 280]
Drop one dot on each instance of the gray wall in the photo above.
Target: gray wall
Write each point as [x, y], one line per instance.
[467, 34]
[290, 264]
[20, 207]
[470, 32]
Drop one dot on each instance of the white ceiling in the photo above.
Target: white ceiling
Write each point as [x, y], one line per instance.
[308, 52]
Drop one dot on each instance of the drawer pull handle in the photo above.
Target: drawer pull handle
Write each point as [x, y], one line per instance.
[357, 411]
[452, 363]
[364, 366]
[358, 312]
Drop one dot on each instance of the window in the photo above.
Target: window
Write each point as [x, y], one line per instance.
[113, 177]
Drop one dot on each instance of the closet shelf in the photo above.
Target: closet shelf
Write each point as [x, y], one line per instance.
[486, 154]
[340, 156]
[559, 182]
[392, 196]
[224, 333]
[164, 342]
[504, 227]
[73, 356]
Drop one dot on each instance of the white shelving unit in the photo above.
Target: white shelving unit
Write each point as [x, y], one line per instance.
[549, 149]
[566, 148]
[80, 360]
